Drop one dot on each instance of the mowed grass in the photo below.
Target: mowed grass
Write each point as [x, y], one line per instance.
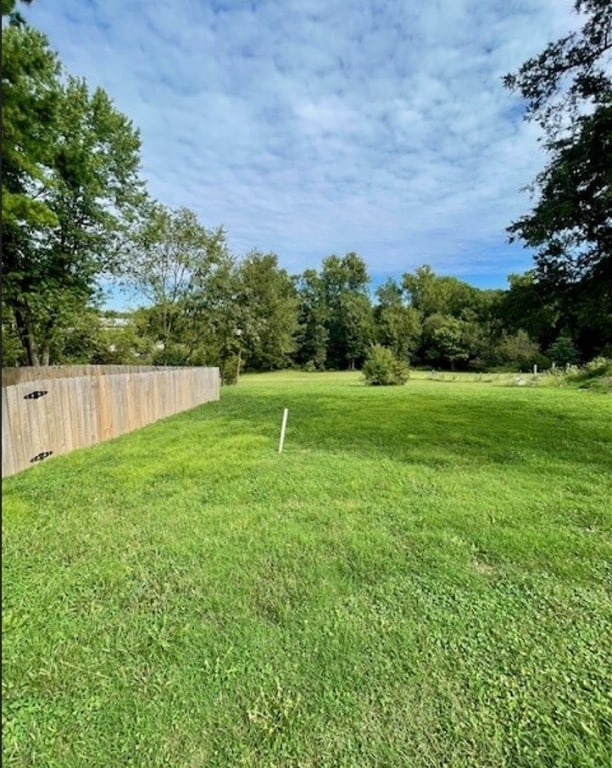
[421, 578]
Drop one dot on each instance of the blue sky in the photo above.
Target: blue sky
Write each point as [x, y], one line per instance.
[311, 127]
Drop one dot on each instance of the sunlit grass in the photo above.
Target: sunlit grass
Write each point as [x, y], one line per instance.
[421, 578]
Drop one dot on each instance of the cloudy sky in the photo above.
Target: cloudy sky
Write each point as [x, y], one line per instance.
[311, 127]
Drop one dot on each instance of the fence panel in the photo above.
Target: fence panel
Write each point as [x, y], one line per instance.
[12, 376]
[76, 412]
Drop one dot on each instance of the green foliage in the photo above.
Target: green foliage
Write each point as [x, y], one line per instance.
[170, 353]
[446, 340]
[348, 318]
[170, 257]
[432, 294]
[527, 306]
[398, 326]
[517, 352]
[70, 180]
[230, 370]
[31, 95]
[382, 368]
[596, 375]
[80, 339]
[269, 304]
[312, 333]
[167, 247]
[456, 319]
[357, 326]
[421, 579]
[12, 350]
[568, 89]
[122, 344]
[563, 351]
[206, 306]
[9, 11]
[215, 318]
[74, 210]
[570, 221]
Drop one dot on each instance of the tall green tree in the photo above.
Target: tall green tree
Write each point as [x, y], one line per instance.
[357, 327]
[170, 256]
[568, 90]
[312, 334]
[398, 327]
[349, 311]
[270, 311]
[517, 351]
[526, 306]
[215, 316]
[454, 315]
[438, 294]
[70, 181]
[450, 341]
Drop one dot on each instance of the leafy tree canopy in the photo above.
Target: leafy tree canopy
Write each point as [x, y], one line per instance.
[70, 182]
[568, 90]
[10, 12]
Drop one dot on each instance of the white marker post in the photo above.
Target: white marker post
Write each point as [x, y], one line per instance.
[283, 428]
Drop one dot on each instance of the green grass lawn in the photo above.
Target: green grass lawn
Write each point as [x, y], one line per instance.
[421, 578]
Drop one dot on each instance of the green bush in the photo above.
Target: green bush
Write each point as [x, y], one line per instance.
[601, 366]
[517, 352]
[229, 370]
[171, 353]
[382, 368]
[596, 375]
[563, 351]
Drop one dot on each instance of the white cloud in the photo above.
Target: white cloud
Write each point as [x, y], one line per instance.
[307, 127]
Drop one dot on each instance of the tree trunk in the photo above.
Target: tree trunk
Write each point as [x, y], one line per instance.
[26, 336]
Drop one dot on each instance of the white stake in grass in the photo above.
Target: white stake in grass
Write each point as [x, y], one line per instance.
[283, 428]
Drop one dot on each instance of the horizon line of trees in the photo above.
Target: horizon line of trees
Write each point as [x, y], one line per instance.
[76, 211]
[222, 311]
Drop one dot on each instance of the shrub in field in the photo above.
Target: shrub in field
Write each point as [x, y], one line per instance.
[230, 370]
[382, 368]
[563, 351]
[597, 375]
[602, 366]
[517, 352]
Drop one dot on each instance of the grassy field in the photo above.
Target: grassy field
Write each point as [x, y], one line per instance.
[421, 578]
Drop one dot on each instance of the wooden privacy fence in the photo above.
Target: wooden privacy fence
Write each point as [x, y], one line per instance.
[34, 373]
[60, 410]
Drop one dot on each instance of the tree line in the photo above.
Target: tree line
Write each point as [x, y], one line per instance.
[75, 212]
[207, 307]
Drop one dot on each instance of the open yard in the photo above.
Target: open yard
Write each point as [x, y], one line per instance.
[422, 578]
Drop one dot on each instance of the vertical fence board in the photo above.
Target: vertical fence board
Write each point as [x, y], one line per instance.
[68, 414]
[57, 415]
[8, 462]
[89, 404]
[20, 428]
